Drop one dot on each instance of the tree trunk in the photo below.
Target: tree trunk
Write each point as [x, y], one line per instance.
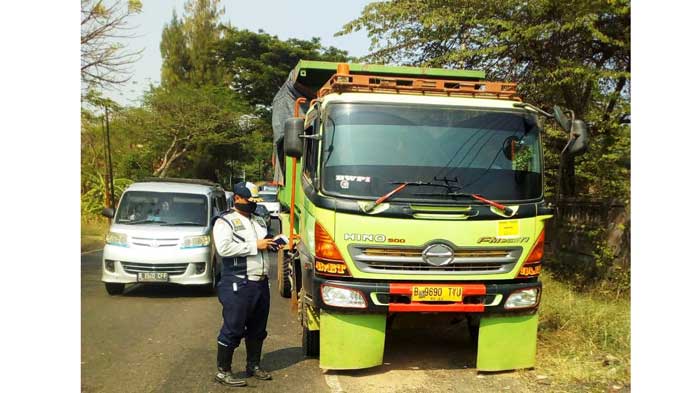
[167, 162]
[612, 103]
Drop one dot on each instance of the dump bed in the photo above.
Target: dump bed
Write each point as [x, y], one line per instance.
[309, 75]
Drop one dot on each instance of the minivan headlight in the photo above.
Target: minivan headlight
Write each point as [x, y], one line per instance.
[117, 239]
[196, 241]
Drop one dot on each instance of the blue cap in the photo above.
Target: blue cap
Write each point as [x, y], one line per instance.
[241, 190]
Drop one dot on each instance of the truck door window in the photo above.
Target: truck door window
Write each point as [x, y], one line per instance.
[309, 157]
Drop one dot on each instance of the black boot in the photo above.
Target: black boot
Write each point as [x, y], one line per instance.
[253, 369]
[224, 367]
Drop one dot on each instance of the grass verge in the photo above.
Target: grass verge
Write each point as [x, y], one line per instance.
[584, 340]
[92, 233]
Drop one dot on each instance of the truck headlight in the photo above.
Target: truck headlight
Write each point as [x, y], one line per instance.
[117, 239]
[342, 297]
[524, 298]
[196, 241]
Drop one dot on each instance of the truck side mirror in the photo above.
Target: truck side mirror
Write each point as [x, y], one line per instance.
[510, 145]
[561, 118]
[108, 212]
[292, 144]
[580, 141]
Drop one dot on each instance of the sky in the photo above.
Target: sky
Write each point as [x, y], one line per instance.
[286, 19]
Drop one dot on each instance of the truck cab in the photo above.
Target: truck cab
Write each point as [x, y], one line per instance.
[410, 190]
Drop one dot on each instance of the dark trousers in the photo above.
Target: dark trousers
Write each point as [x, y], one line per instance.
[244, 312]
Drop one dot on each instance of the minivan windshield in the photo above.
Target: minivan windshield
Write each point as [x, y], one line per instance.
[268, 197]
[163, 208]
[368, 149]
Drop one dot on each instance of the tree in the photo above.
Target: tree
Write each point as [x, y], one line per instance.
[257, 64]
[572, 53]
[184, 119]
[176, 62]
[105, 60]
[188, 45]
[561, 50]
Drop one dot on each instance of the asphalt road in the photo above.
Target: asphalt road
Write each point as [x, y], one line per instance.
[162, 339]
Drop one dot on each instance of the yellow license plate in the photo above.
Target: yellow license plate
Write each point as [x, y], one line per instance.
[436, 294]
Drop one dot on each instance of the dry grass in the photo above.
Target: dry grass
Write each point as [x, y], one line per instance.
[92, 233]
[584, 340]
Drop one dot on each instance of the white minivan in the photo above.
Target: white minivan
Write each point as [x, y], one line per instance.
[161, 232]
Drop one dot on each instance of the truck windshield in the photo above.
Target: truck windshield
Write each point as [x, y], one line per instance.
[366, 148]
[159, 208]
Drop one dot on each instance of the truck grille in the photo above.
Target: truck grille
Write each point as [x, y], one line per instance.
[409, 260]
[171, 268]
[154, 242]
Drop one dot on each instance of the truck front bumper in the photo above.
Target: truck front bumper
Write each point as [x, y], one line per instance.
[394, 297]
[353, 338]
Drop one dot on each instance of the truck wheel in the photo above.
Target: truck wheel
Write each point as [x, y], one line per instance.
[114, 288]
[310, 342]
[284, 285]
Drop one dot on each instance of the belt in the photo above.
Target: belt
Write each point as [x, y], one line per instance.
[253, 278]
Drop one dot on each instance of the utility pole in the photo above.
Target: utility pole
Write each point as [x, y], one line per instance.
[108, 150]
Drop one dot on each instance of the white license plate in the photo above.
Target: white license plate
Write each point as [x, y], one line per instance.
[153, 277]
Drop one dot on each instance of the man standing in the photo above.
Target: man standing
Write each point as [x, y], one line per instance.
[240, 241]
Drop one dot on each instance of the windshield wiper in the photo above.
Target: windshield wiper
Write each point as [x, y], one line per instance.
[402, 185]
[142, 222]
[508, 211]
[198, 224]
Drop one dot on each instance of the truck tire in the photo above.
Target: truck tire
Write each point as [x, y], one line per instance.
[284, 284]
[310, 342]
[113, 288]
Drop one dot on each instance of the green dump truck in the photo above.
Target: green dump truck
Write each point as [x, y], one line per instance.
[411, 190]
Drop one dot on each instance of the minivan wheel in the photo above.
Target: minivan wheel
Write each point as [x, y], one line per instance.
[214, 276]
[114, 288]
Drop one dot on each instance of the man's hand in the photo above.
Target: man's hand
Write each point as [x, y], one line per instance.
[264, 244]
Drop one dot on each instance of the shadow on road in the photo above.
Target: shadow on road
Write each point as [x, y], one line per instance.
[282, 358]
[166, 291]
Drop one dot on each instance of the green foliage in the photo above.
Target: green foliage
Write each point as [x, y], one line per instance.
[257, 64]
[572, 53]
[94, 193]
[188, 45]
[601, 271]
[184, 124]
[176, 62]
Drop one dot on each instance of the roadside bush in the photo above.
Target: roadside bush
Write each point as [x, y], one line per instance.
[93, 193]
[584, 338]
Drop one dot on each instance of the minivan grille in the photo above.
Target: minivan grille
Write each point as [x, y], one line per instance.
[154, 242]
[171, 268]
[409, 260]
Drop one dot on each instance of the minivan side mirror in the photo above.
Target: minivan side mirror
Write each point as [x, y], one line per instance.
[108, 212]
[580, 138]
[292, 144]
